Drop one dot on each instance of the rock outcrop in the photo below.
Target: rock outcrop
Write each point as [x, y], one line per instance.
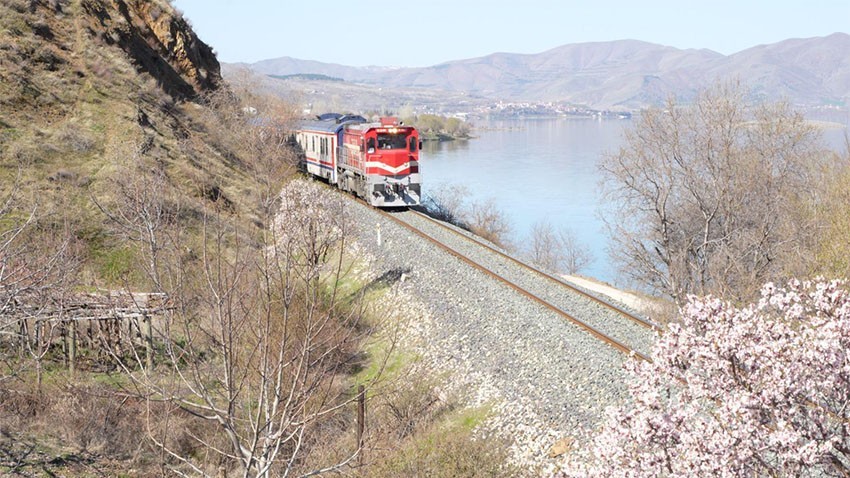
[159, 41]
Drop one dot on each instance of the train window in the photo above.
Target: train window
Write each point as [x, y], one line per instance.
[412, 140]
[370, 145]
[392, 141]
[314, 144]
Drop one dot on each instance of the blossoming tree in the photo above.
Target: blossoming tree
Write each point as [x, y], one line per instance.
[757, 391]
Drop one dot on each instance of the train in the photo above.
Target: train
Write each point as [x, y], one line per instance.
[377, 161]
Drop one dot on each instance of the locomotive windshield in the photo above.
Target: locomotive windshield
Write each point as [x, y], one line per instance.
[392, 141]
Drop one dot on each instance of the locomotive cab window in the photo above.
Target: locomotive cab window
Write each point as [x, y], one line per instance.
[392, 141]
[412, 144]
[370, 145]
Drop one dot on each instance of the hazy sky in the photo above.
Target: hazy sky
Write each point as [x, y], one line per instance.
[427, 32]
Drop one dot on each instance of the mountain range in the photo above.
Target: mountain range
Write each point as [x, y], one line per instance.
[623, 74]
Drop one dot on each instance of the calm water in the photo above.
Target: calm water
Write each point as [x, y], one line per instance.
[535, 170]
[541, 170]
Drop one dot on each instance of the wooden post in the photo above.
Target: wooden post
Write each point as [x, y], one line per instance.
[72, 346]
[38, 354]
[24, 335]
[361, 422]
[147, 333]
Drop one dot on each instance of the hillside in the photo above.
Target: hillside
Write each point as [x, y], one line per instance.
[154, 292]
[96, 92]
[619, 74]
[115, 126]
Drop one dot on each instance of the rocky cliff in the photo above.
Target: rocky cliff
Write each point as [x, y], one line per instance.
[91, 89]
[160, 42]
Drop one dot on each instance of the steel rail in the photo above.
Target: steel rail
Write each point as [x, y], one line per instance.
[639, 320]
[531, 296]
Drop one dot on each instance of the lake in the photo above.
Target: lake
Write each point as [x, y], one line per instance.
[542, 170]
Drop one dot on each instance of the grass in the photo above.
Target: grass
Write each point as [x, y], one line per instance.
[446, 448]
[113, 381]
[116, 264]
[471, 417]
[363, 297]
[385, 363]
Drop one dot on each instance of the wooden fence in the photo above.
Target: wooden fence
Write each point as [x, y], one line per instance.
[111, 322]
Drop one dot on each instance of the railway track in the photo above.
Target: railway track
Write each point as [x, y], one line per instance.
[558, 281]
[512, 341]
[608, 323]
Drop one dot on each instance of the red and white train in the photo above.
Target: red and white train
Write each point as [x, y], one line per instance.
[376, 161]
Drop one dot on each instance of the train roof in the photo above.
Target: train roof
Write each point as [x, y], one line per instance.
[330, 122]
[383, 122]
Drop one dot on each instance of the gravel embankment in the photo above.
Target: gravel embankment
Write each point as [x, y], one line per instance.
[544, 376]
[592, 313]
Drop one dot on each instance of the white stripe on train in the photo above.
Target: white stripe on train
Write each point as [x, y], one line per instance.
[390, 169]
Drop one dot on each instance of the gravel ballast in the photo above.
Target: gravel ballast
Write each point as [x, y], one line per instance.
[543, 376]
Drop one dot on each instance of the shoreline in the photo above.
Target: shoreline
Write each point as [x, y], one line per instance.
[642, 304]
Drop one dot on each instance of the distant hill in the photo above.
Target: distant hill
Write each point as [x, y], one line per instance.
[306, 76]
[291, 66]
[624, 74]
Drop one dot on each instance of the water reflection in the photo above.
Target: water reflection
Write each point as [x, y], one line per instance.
[448, 146]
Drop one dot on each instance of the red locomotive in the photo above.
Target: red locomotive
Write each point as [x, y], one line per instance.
[376, 161]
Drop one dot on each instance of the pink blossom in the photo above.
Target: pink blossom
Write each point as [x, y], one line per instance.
[756, 391]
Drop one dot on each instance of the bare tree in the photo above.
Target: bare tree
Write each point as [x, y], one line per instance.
[577, 256]
[257, 344]
[38, 266]
[256, 127]
[557, 251]
[268, 122]
[710, 196]
[488, 221]
[834, 249]
[142, 205]
[541, 248]
[446, 202]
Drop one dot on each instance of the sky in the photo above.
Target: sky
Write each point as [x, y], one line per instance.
[429, 32]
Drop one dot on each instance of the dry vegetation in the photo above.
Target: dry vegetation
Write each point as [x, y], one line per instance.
[720, 196]
[833, 252]
[450, 203]
[126, 166]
